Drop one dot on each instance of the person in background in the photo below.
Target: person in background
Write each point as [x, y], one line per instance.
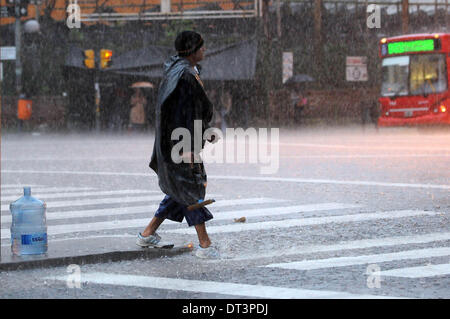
[299, 102]
[137, 113]
[119, 103]
[24, 107]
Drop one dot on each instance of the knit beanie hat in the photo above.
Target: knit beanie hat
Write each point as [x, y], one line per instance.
[188, 42]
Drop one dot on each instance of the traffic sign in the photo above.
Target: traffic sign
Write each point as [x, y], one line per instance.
[356, 68]
[7, 53]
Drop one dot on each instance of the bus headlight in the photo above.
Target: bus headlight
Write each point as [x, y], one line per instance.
[443, 109]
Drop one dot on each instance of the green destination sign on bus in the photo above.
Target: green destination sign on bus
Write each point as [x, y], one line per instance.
[410, 46]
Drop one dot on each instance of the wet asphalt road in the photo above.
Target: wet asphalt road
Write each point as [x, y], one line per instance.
[346, 213]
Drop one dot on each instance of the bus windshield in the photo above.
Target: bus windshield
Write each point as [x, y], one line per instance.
[414, 75]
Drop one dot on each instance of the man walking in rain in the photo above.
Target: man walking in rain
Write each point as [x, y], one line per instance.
[181, 101]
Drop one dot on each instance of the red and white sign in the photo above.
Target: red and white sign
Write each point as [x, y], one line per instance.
[356, 68]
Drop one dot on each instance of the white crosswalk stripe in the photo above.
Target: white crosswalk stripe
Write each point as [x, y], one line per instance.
[310, 221]
[18, 190]
[151, 208]
[213, 287]
[46, 197]
[5, 186]
[343, 246]
[97, 201]
[363, 259]
[418, 272]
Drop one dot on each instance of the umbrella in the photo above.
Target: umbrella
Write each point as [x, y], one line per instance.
[300, 78]
[145, 85]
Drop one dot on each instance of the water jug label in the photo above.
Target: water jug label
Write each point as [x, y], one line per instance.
[34, 239]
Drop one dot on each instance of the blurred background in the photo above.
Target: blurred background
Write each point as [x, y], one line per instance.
[268, 63]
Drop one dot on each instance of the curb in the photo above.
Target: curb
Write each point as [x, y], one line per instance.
[147, 253]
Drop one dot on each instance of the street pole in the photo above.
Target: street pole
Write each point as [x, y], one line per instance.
[265, 18]
[279, 20]
[18, 40]
[266, 58]
[97, 103]
[36, 6]
[318, 35]
[1, 103]
[405, 16]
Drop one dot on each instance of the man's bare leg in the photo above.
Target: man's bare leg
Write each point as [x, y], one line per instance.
[152, 226]
[203, 237]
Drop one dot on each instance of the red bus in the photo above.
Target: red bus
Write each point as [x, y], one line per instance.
[415, 80]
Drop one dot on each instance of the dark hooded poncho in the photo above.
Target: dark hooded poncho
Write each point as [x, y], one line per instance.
[181, 100]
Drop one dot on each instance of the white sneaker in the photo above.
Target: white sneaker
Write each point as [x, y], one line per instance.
[207, 253]
[152, 240]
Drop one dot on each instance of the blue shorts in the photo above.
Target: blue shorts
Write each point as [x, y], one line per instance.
[172, 210]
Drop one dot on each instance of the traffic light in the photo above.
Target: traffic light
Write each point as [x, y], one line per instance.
[89, 59]
[105, 58]
[16, 8]
[23, 8]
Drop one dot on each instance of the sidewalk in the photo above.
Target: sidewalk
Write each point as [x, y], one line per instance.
[87, 251]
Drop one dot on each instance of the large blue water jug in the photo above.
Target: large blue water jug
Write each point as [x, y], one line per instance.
[29, 225]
